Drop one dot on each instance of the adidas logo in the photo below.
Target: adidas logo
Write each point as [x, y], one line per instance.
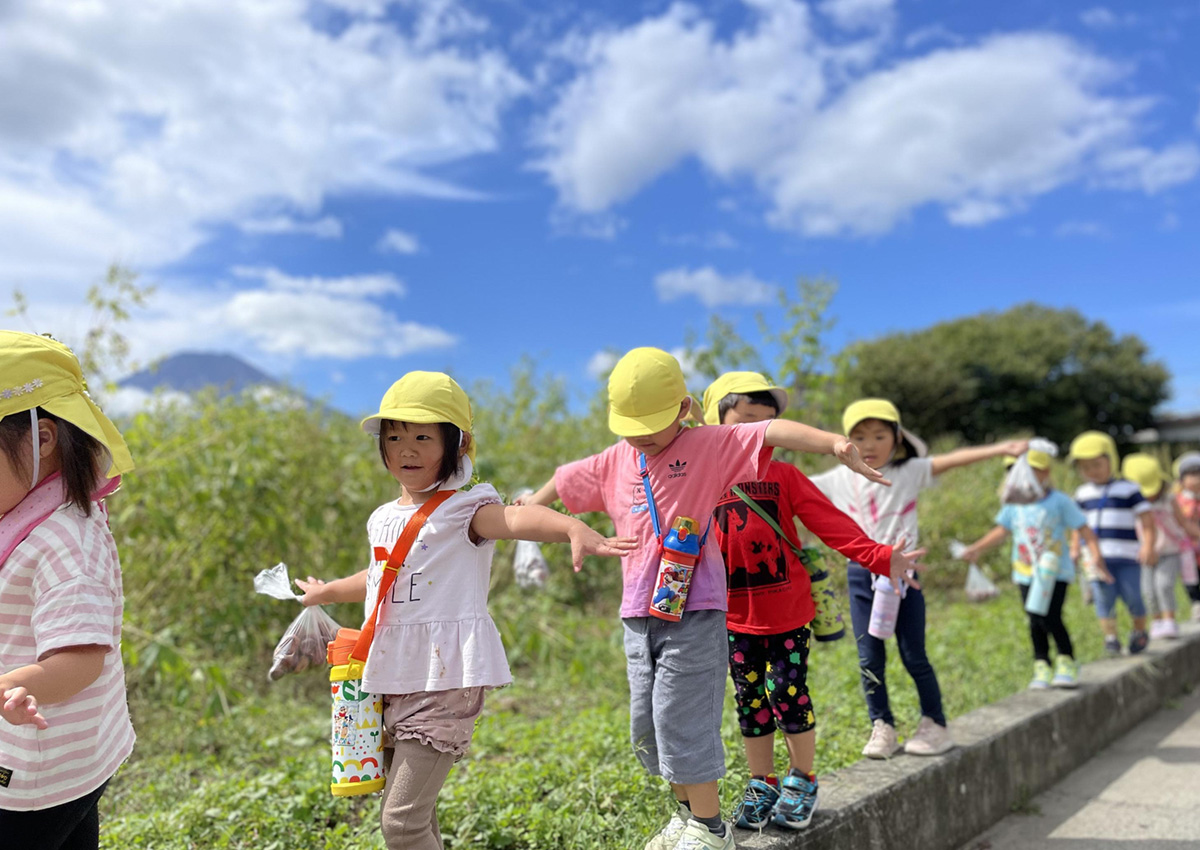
[678, 469]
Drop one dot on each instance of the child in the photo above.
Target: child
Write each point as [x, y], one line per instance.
[1119, 515]
[660, 471]
[771, 606]
[1187, 471]
[890, 516]
[436, 650]
[1174, 534]
[62, 684]
[1037, 528]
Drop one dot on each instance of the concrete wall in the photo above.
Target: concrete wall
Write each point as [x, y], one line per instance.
[1008, 752]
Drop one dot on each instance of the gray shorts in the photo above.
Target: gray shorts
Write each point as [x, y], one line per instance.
[677, 674]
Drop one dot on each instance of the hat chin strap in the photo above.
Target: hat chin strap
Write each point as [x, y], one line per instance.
[459, 478]
[37, 455]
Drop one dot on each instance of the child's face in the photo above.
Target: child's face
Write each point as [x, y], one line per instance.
[652, 444]
[413, 453]
[1097, 470]
[14, 483]
[1043, 477]
[875, 441]
[1190, 481]
[748, 411]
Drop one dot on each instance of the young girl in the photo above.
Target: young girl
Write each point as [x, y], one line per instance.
[1037, 528]
[65, 728]
[1174, 536]
[889, 515]
[1187, 471]
[436, 650]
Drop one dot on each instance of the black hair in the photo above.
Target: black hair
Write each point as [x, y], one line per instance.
[80, 452]
[451, 437]
[763, 397]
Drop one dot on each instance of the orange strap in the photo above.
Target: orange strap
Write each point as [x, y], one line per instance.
[395, 561]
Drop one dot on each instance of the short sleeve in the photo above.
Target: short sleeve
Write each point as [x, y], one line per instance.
[1072, 515]
[580, 484]
[461, 509]
[75, 597]
[740, 448]
[921, 469]
[1006, 517]
[1139, 503]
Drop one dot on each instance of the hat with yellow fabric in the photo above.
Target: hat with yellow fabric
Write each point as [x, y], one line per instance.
[1094, 444]
[645, 390]
[880, 408]
[40, 372]
[1038, 459]
[740, 383]
[1145, 471]
[425, 398]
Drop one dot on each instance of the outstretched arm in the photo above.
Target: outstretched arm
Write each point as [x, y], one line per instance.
[989, 541]
[546, 496]
[349, 589]
[966, 457]
[786, 434]
[534, 522]
[56, 678]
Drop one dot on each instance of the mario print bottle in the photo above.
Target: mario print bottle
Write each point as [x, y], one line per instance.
[680, 554]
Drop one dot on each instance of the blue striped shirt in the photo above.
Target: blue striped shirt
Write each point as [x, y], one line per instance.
[1112, 510]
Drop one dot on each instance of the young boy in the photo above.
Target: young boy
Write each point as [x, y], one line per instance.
[1187, 472]
[1037, 528]
[1119, 515]
[771, 606]
[676, 669]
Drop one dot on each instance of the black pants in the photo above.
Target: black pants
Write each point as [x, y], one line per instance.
[1041, 628]
[1193, 592]
[70, 826]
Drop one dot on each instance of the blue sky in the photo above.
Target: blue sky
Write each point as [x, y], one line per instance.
[345, 191]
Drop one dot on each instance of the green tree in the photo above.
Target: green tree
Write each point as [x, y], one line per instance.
[1031, 368]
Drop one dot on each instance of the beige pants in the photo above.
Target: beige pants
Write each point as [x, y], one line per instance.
[416, 773]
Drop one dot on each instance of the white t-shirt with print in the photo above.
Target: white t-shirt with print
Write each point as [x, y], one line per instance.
[885, 513]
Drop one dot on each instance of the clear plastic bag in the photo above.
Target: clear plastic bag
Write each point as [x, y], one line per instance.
[979, 586]
[1021, 486]
[529, 565]
[303, 644]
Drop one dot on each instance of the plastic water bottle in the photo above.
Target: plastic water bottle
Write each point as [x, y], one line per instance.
[357, 739]
[884, 609]
[1041, 585]
[827, 623]
[680, 554]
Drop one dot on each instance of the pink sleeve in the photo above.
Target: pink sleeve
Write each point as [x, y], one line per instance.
[740, 448]
[580, 484]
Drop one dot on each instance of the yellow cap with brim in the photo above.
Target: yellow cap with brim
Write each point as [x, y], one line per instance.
[1145, 471]
[1094, 444]
[883, 410]
[1039, 460]
[41, 372]
[425, 398]
[738, 382]
[1186, 463]
[645, 390]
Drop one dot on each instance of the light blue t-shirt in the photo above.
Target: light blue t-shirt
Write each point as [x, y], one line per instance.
[1038, 527]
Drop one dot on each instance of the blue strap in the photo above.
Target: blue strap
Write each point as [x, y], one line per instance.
[654, 507]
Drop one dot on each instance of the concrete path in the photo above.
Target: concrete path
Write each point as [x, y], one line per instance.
[1141, 793]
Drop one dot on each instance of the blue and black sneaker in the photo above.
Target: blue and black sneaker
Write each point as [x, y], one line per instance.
[797, 800]
[758, 802]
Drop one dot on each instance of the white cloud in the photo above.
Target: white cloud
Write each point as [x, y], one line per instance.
[125, 402]
[979, 130]
[932, 33]
[322, 228]
[714, 240]
[130, 128]
[712, 288]
[858, 14]
[398, 242]
[601, 363]
[354, 286]
[1081, 228]
[1101, 18]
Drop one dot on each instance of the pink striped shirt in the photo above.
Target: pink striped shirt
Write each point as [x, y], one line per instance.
[62, 587]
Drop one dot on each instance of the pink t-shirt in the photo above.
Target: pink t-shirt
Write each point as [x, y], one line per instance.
[688, 478]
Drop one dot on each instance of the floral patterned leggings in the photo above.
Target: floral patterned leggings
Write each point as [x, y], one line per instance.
[770, 676]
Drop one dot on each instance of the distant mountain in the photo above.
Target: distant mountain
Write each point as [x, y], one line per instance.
[191, 371]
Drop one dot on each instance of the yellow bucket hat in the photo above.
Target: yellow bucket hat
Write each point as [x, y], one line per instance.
[1145, 471]
[645, 390]
[885, 411]
[738, 382]
[1093, 444]
[425, 398]
[39, 372]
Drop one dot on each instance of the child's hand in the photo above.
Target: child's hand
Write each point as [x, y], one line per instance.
[1105, 575]
[1148, 556]
[522, 499]
[904, 562]
[314, 591]
[587, 541]
[970, 554]
[1013, 448]
[20, 707]
[848, 455]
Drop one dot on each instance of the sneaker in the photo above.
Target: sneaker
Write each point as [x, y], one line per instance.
[883, 743]
[669, 837]
[1041, 675]
[1137, 642]
[758, 801]
[1170, 629]
[1196, 612]
[697, 837]
[797, 801]
[930, 739]
[1158, 629]
[1066, 672]
[1112, 646]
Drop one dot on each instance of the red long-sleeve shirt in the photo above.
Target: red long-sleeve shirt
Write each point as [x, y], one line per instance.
[769, 589]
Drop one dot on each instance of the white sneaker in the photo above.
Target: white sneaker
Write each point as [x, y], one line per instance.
[883, 743]
[930, 739]
[668, 838]
[1170, 631]
[697, 837]
[1157, 629]
[1196, 612]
